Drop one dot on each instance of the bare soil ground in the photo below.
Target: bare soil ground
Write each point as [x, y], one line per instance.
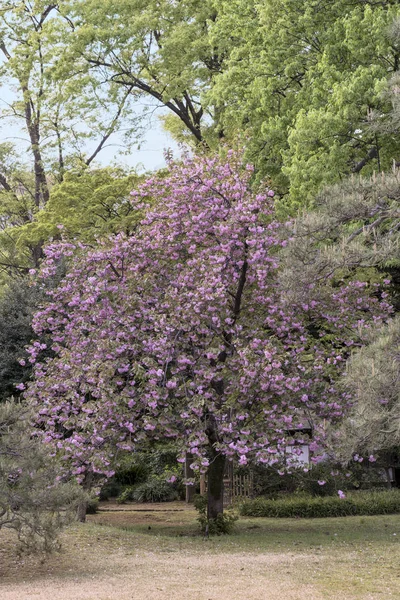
[142, 554]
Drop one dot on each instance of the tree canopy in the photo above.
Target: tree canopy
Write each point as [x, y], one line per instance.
[302, 78]
[181, 331]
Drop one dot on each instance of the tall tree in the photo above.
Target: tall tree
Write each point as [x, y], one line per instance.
[302, 78]
[373, 379]
[86, 205]
[18, 303]
[59, 110]
[67, 116]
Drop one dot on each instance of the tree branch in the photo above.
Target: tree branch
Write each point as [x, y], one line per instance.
[366, 228]
[373, 153]
[4, 183]
[135, 82]
[111, 128]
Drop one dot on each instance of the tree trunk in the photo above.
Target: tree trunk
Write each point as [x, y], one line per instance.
[32, 119]
[81, 512]
[82, 506]
[215, 491]
[203, 486]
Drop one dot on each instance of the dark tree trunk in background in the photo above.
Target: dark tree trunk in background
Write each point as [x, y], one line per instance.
[81, 512]
[82, 506]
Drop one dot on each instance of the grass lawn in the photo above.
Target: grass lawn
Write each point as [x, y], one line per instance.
[154, 552]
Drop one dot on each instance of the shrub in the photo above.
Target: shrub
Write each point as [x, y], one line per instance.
[133, 469]
[267, 481]
[155, 489]
[34, 502]
[126, 495]
[111, 489]
[356, 503]
[144, 475]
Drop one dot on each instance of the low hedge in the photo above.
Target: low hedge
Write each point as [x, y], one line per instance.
[355, 503]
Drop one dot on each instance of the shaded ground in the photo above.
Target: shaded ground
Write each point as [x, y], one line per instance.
[155, 553]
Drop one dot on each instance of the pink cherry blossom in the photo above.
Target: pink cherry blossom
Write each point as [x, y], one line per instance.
[181, 331]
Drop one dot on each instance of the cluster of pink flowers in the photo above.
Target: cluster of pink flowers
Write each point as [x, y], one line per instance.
[183, 324]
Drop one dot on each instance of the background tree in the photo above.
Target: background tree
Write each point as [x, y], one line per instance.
[157, 51]
[301, 78]
[60, 112]
[355, 225]
[373, 427]
[68, 117]
[86, 205]
[181, 331]
[354, 232]
[19, 302]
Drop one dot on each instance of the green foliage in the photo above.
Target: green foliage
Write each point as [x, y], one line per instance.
[67, 118]
[156, 50]
[33, 501]
[111, 489]
[92, 505]
[147, 475]
[222, 524]
[131, 470]
[373, 379]
[86, 205]
[353, 232]
[357, 503]
[135, 467]
[67, 115]
[323, 479]
[17, 305]
[267, 482]
[125, 496]
[155, 489]
[302, 78]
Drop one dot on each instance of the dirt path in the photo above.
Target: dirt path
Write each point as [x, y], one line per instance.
[153, 577]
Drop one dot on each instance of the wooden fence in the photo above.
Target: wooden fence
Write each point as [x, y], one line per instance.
[235, 486]
[238, 487]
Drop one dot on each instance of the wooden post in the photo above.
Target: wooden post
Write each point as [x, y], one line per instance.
[189, 473]
[203, 489]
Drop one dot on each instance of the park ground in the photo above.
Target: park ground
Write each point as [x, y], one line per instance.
[154, 552]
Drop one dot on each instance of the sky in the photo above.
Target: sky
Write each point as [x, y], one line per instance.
[150, 156]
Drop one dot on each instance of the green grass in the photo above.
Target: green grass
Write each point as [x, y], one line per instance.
[359, 556]
[265, 534]
[351, 558]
